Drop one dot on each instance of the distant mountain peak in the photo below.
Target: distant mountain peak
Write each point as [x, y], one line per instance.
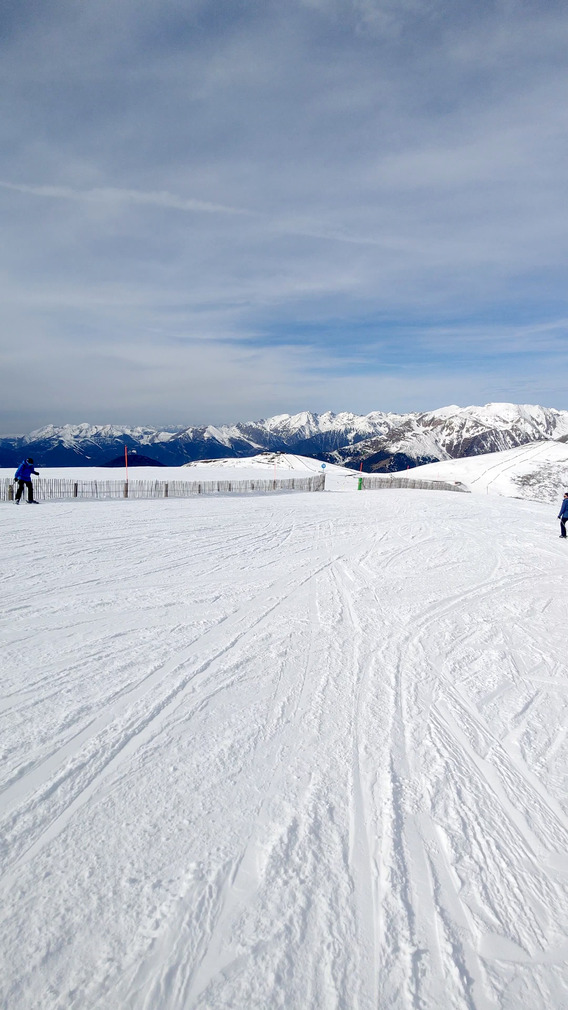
[380, 439]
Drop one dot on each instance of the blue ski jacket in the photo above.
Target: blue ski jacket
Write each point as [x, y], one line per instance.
[563, 514]
[24, 471]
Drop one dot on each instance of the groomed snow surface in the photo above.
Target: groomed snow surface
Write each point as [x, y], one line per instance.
[300, 751]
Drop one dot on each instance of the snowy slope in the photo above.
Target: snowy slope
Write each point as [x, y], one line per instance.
[304, 752]
[266, 465]
[504, 424]
[537, 471]
[272, 465]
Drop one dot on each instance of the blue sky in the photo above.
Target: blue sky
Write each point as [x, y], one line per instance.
[215, 211]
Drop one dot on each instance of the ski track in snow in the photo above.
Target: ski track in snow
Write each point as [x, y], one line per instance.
[305, 752]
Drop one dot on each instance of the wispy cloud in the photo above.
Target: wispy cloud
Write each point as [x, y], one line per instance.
[170, 201]
[282, 207]
[108, 195]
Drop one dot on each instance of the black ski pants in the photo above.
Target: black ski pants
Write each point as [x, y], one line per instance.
[20, 491]
[563, 522]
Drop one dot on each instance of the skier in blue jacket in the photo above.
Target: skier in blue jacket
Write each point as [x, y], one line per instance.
[563, 516]
[23, 476]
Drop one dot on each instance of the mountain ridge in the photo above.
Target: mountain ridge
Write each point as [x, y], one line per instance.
[380, 440]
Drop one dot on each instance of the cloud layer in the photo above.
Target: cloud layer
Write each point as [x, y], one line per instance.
[215, 211]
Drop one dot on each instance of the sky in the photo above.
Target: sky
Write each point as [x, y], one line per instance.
[221, 210]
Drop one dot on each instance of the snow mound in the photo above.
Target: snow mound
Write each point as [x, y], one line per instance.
[278, 464]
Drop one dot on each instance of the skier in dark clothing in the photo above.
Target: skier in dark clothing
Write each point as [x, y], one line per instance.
[23, 477]
[563, 516]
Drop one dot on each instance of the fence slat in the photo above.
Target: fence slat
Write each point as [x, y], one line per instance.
[56, 488]
[374, 483]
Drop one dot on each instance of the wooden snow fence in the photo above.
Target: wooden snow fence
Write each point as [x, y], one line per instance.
[373, 483]
[57, 489]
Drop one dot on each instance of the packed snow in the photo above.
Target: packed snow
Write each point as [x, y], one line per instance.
[299, 751]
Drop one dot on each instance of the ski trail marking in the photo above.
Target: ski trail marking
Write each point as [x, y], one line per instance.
[134, 736]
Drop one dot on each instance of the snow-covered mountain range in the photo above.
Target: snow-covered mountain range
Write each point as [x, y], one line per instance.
[382, 441]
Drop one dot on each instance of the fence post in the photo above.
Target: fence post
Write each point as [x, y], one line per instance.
[166, 490]
[75, 489]
[126, 489]
[359, 483]
[10, 492]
